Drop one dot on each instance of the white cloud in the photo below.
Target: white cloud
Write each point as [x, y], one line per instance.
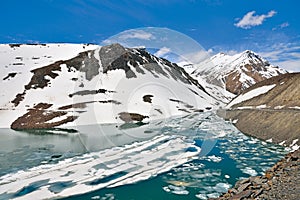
[290, 65]
[162, 52]
[249, 20]
[196, 57]
[284, 55]
[136, 34]
[232, 52]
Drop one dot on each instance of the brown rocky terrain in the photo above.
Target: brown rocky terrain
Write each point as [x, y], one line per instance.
[282, 181]
[273, 115]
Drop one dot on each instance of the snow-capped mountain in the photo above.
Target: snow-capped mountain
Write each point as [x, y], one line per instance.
[236, 72]
[65, 85]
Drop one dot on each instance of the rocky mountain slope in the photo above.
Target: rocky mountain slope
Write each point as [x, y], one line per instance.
[269, 110]
[65, 85]
[280, 182]
[237, 72]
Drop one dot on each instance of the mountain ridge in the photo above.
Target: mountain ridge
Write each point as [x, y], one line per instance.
[237, 72]
[110, 79]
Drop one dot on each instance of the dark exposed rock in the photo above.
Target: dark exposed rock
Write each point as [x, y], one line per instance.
[38, 117]
[39, 80]
[85, 62]
[90, 92]
[130, 117]
[14, 45]
[242, 187]
[242, 195]
[115, 57]
[84, 104]
[10, 75]
[147, 98]
[19, 97]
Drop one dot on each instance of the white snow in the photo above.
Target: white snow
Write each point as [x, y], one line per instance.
[244, 107]
[269, 140]
[295, 147]
[295, 107]
[261, 106]
[282, 143]
[251, 94]
[127, 92]
[234, 121]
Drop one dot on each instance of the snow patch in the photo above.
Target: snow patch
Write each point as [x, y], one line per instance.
[269, 140]
[278, 107]
[235, 121]
[244, 107]
[261, 106]
[295, 107]
[251, 94]
[282, 143]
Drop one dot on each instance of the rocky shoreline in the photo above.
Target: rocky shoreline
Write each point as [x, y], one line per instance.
[282, 181]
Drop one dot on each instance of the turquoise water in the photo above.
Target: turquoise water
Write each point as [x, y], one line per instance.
[226, 156]
[205, 178]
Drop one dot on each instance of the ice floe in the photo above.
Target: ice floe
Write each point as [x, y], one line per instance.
[119, 166]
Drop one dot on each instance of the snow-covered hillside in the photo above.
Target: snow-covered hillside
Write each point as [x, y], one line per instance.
[65, 85]
[237, 72]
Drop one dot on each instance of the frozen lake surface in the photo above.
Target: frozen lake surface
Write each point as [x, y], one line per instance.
[196, 156]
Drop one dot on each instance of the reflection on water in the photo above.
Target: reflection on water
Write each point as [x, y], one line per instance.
[165, 152]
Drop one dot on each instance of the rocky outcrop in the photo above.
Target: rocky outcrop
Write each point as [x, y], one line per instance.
[282, 181]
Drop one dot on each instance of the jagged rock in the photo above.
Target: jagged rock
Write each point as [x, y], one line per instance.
[284, 186]
[242, 195]
[242, 187]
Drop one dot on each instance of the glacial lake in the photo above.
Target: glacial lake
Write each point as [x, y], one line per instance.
[196, 156]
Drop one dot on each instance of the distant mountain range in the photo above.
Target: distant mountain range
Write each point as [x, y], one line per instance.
[66, 85]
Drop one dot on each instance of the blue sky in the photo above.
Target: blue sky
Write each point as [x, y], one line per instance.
[269, 27]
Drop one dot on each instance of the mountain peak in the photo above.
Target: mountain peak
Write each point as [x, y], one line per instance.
[237, 72]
